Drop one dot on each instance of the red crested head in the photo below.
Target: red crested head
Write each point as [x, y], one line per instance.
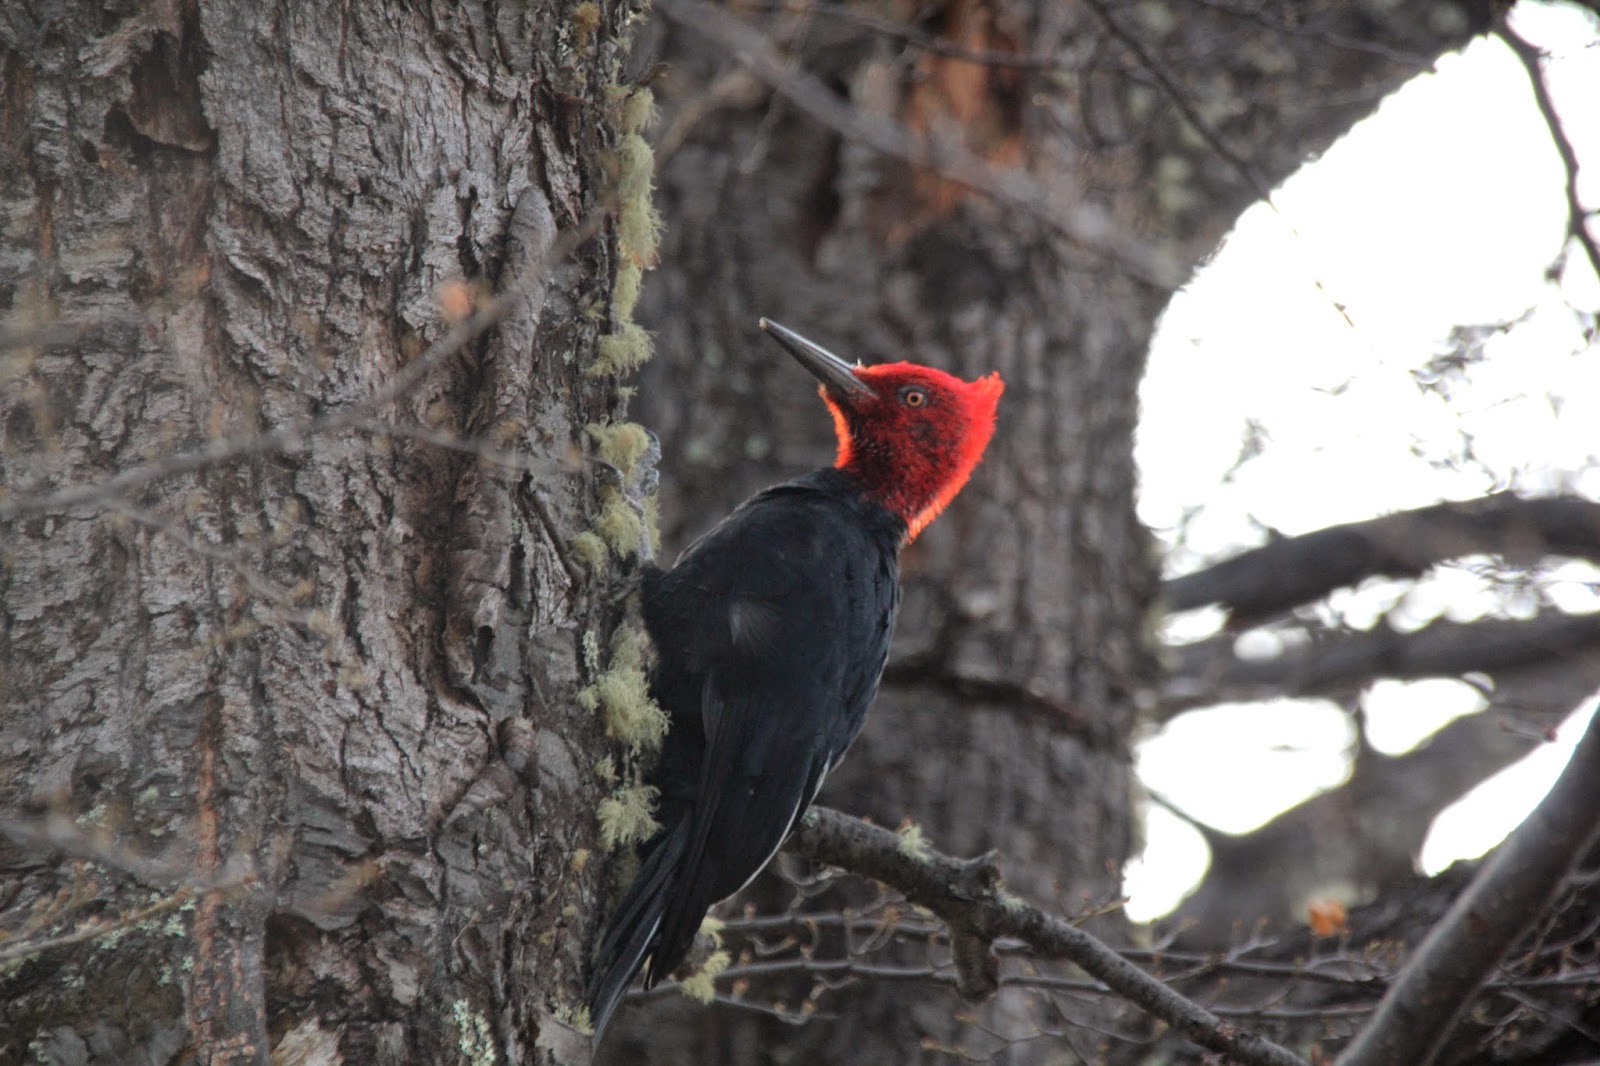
[912, 434]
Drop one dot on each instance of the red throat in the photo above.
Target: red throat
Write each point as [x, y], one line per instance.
[915, 460]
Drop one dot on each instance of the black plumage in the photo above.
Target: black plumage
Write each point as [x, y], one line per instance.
[771, 634]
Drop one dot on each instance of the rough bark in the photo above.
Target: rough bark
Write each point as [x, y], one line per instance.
[326, 693]
[1009, 707]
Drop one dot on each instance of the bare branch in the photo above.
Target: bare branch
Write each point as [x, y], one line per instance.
[94, 929]
[1014, 187]
[1212, 671]
[1577, 215]
[1299, 26]
[967, 895]
[58, 832]
[61, 331]
[1180, 100]
[1297, 570]
[1509, 893]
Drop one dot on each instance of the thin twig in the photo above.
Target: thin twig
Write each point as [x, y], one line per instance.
[58, 832]
[1256, 13]
[1180, 100]
[1532, 60]
[95, 930]
[1014, 187]
[288, 601]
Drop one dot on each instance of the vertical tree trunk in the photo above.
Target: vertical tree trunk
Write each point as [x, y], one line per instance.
[328, 686]
[1008, 712]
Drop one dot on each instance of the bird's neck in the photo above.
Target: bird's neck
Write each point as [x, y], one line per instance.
[910, 490]
[881, 519]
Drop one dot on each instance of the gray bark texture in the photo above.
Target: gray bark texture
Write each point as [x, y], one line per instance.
[320, 699]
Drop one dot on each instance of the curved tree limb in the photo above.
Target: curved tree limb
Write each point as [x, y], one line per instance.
[1211, 671]
[967, 895]
[1297, 570]
[1513, 888]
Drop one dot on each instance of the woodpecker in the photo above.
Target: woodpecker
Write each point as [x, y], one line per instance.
[771, 633]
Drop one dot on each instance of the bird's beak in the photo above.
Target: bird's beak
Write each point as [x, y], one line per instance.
[826, 367]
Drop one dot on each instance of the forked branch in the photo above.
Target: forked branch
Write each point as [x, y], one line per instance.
[966, 894]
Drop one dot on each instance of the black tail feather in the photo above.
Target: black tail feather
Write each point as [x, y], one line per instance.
[632, 930]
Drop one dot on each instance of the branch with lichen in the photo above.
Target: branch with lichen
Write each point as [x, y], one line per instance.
[968, 896]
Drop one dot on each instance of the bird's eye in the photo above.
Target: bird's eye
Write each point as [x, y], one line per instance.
[912, 396]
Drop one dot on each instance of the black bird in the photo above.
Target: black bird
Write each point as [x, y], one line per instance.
[771, 632]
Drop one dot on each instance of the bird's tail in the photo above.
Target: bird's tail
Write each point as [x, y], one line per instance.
[632, 929]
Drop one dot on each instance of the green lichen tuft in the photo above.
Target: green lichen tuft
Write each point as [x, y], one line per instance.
[652, 522]
[585, 23]
[620, 524]
[477, 1038]
[636, 167]
[631, 166]
[622, 444]
[638, 110]
[576, 1017]
[632, 717]
[638, 224]
[701, 984]
[622, 695]
[590, 550]
[639, 231]
[913, 844]
[627, 816]
[625, 295]
[624, 351]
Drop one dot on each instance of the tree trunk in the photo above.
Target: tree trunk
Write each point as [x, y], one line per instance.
[1008, 712]
[315, 704]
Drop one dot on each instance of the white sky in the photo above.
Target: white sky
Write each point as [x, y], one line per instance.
[1445, 208]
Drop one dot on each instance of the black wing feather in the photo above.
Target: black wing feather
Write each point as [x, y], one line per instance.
[771, 634]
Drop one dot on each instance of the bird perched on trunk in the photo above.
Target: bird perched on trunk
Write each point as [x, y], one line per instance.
[771, 633]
